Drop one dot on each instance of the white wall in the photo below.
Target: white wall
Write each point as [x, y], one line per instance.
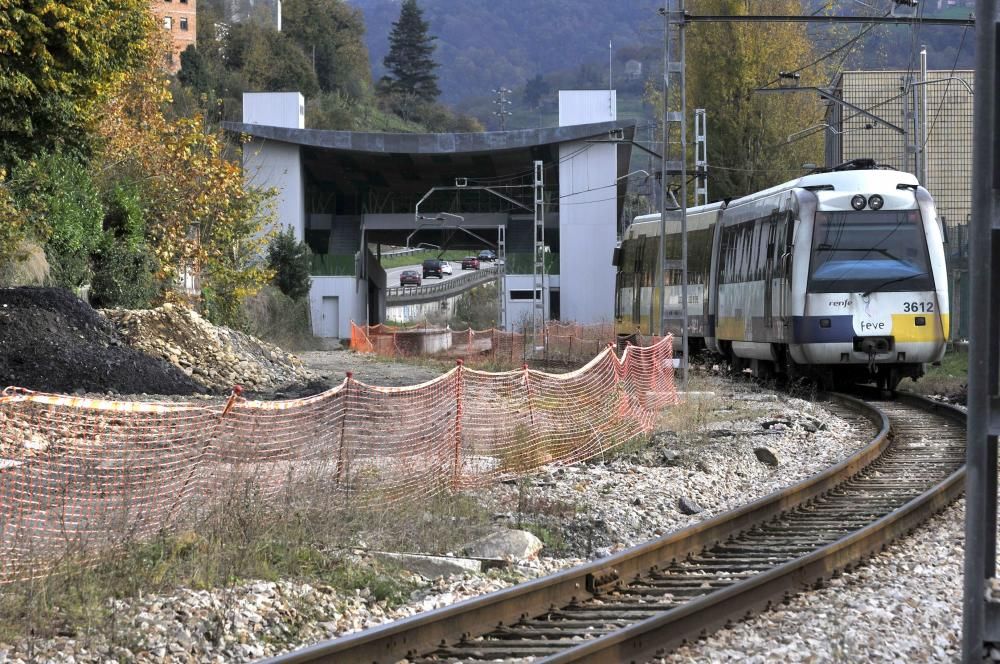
[519, 312]
[276, 109]
[588, 212]
[352, 300]
[585, 106]
[272, 164]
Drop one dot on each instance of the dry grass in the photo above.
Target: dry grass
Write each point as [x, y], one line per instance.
[29, 267]
[301, 534]
[950, 378]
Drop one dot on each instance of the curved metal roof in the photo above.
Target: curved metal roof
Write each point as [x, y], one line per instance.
[430, 144]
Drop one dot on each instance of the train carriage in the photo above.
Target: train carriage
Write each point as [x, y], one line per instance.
[840, 273]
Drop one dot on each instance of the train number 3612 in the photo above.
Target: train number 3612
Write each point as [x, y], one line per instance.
[918, 307]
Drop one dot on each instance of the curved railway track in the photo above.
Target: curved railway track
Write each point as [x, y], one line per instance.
[638, 604]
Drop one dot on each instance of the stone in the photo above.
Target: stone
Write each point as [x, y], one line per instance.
[430, 567]
[688, 506]
[515, 545]
[766, 456]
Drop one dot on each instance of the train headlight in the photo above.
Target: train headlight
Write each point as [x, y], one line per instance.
[876, 202]
[858, 202]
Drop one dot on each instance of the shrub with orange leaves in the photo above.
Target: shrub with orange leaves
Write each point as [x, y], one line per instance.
[199, 212]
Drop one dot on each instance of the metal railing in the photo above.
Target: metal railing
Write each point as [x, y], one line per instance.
[454, 286]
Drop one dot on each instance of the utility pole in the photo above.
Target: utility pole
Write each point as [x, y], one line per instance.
[922, 151]
[538, 297]
[700, 158]
[502, 102]
[674, 171]
[981, 604]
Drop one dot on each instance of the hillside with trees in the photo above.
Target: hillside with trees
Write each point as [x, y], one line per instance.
[482, 45]
[320, 52]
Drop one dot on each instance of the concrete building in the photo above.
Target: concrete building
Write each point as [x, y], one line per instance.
[179, 19]
[346, 193]
[948, 148]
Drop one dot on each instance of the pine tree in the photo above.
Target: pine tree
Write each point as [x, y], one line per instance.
[409, 60]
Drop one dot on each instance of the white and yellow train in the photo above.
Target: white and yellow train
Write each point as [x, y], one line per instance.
[838, 273]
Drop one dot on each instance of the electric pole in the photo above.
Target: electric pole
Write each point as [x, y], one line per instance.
[502, 101]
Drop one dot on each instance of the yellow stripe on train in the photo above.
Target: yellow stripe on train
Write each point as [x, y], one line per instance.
[905, 328]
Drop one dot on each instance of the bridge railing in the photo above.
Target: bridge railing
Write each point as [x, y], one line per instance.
[453, 286]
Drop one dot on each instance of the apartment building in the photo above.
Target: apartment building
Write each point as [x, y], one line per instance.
[178, 18]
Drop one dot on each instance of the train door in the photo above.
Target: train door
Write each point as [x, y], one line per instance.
[770, 261]
[783, 266]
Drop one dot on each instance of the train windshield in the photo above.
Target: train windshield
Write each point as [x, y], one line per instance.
[869, 251]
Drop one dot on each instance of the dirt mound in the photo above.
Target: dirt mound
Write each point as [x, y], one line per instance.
[216, 357]
[51, 341]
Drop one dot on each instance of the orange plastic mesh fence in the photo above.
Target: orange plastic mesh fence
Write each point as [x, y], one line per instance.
[559, 341]
[79, 476]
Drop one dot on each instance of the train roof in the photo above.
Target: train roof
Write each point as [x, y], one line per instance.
[865, 180]
[860, 180]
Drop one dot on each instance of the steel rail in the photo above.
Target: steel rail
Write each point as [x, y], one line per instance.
[433, 631]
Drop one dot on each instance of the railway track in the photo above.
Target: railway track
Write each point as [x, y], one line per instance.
[638, 604]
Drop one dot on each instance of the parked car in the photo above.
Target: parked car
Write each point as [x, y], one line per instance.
[409, 278]
[487, 255]
[470, 263]
[445, 268]
[432, 268]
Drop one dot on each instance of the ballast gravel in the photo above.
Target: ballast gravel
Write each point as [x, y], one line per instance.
[717, 451]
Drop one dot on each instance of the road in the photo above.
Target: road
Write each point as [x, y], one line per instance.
[392, 274]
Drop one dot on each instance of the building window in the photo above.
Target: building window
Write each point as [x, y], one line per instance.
[184, 23]
[168, 22]
[169, 58]
[524, 294]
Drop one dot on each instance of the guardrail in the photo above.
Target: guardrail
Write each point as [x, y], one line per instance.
[416, 294]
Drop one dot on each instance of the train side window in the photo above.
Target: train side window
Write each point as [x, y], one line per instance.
[781, 249]
[758, 252]
[649, 263]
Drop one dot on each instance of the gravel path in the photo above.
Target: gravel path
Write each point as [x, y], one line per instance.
[333, 366]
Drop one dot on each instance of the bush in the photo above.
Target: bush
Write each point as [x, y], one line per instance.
[290, 260]
[123, 275]
[124, 267]
[273, 316]
[59, 197]
[477, 308]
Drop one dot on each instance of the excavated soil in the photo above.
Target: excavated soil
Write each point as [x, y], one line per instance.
[51, 341]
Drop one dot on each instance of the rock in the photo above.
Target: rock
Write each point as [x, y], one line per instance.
[670, 457]
[513, 545]
[431, 567]
[688, 506]
[766, 456]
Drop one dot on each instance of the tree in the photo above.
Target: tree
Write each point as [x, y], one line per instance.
[409, 60]
[194, 70]
[273, 63]
[748, 148]
[534, 90]
[197, 212]
[59, 59]
[331, 35]
[291, 262]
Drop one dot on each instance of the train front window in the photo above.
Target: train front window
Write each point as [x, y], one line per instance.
[869, 251]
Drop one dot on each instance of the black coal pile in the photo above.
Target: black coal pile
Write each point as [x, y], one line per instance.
[51, 341]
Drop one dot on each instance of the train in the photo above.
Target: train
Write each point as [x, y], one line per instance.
[839, 274]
